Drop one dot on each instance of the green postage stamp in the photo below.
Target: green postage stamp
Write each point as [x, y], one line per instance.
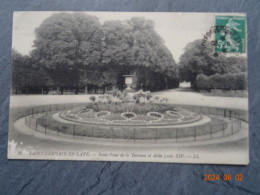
[230, 34]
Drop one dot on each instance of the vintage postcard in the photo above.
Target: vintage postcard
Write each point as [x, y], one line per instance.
[129, 86]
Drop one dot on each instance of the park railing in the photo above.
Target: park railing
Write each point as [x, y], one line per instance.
[40, 119]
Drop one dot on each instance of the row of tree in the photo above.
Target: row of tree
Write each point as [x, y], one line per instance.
[76, 51]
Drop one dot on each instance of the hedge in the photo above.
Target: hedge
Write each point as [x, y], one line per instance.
[236, 81]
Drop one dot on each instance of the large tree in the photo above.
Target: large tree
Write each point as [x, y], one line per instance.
[154, 61]
[133, 46]
[76, 50]
[67, 43]
[117, 55]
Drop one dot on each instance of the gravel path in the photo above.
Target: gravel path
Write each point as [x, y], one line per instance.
[182, 96]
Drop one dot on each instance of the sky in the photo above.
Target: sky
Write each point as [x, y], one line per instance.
[176, 29]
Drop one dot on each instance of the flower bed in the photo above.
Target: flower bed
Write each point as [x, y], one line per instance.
[156, 116]
[102, 114]
[128, 115]
[144, 114]
[85, 110]
[173, 113]
[119, 107]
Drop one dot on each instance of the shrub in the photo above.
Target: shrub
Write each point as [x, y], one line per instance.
[203, 82]
[148, 95]
[136, 98]
[241, 81]
[216, 81]
[109, 99]
[156, 98]
[237, 81]
[92, 98]
[228, 82]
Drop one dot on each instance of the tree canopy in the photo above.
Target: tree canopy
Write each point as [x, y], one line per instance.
[65, 44]
[76, 49]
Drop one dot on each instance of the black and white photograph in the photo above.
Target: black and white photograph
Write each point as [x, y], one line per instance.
[129, 86]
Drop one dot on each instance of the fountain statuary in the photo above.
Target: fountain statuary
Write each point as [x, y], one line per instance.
[129, 92]
[128, 82]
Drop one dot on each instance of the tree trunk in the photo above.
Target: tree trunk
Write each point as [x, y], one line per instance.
[76, 90]
[86, 89]
[166, 83]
